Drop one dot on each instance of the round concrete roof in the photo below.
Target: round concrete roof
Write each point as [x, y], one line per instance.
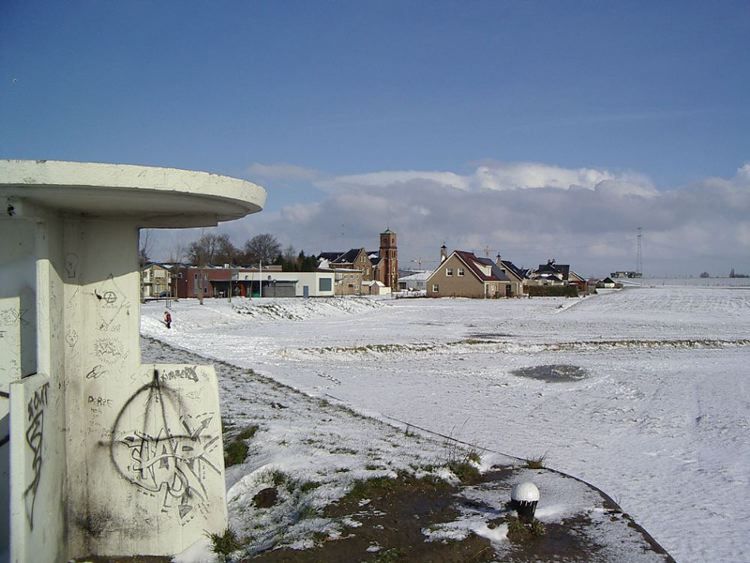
[157, 197]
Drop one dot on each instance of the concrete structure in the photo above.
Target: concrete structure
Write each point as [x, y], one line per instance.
[190, 281]
[105, 456]
[303, 284]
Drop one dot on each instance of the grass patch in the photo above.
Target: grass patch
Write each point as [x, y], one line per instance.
[224, 544]
[382, 487]
[519, 532]
[309, 486]
[536, 462]
[464, 465]
[235, 451]
[279, 478]
[248, 432]
[466, 472]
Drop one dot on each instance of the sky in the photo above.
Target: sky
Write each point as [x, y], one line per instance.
[533, 130]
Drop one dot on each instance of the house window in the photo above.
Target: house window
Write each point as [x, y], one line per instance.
[460, 272]
[324, 284]
[435, 288]
[449, 271]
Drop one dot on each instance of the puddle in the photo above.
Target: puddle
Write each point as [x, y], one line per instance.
[553, 373]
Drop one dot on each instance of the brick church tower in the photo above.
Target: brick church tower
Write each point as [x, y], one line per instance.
[389, 259]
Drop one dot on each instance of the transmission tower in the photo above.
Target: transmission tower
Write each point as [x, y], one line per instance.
[639, 254]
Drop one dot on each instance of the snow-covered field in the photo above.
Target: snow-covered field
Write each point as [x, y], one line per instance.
[657, 415]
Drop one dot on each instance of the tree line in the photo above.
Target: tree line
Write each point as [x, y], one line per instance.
[217, 249]
[213, 249]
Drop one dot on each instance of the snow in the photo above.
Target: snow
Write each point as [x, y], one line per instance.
[659, 422]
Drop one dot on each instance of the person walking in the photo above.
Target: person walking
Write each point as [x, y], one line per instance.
[168, 319]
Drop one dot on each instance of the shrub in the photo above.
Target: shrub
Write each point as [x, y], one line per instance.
[553, 291]
[536, 462]
[224, 544]
[466, 472]
[519, 532]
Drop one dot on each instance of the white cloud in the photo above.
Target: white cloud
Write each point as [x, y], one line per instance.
[586, 217]
[522, 175]
[282, 171]
[387, 179]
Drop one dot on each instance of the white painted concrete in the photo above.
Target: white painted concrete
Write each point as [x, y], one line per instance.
[115, 458]
[156, 197]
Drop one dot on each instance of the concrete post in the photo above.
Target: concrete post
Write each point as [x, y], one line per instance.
[105, 456]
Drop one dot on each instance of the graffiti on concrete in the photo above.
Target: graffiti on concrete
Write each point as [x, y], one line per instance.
[71, 338]
[111, 303]
[71, 265]
[172, 454]
[35, 441]
[96, 372]
[108, 349]
[12, 317]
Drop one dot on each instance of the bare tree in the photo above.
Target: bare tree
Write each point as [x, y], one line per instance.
[178, 253]
[262, 248]
[212, 249]
[290, 255]
[144, 246]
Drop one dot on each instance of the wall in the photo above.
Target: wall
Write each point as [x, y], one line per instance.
[97, 459]
[32, 462]
[129, 487]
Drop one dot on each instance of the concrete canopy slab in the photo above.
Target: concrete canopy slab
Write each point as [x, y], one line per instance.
[157, 197]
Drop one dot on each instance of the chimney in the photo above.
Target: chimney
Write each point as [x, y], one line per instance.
[443, 254]
[499, 261]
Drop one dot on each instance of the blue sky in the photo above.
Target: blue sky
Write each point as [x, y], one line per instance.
[316, 100]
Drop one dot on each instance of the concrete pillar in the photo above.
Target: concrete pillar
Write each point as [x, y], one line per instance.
[99, 454]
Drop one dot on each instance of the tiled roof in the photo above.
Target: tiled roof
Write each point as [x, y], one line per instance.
[472, 262]
[348, 257]
[514, 269]
[329, 255]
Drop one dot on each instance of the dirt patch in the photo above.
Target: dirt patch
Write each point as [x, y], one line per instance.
[553, 373]
[392, 514]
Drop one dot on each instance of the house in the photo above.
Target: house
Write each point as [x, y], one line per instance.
[550, 273]
[271, 281]
[156, 280]
[625, 274]
[517, 276]
[462, 274]
[290, 284]
[415, 281]
[354, 259]
[380, 265]
[578, 281]
[553, 273]
[607, 283]
[375, 287]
